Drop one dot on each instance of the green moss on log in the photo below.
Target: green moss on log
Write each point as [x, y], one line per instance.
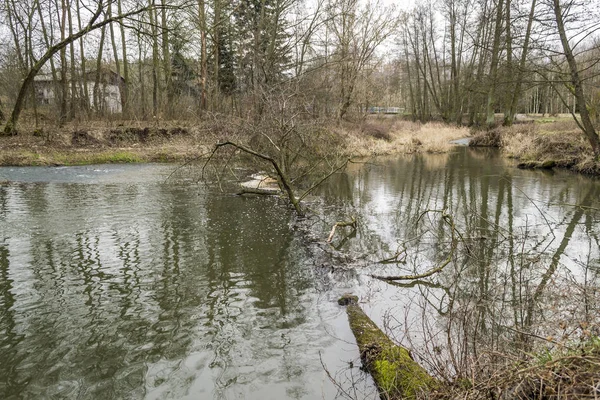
[395, 373]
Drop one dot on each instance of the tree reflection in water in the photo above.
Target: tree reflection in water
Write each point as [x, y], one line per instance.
[525, 272]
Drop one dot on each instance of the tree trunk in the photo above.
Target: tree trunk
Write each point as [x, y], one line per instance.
[125, 89]
[490, 118]
[586, 123]
[141, 76]
[166, 53]
[512, 110]
[48, 43]
[395, 373]
[216, 46]
[64, 82]
[85, 93]
[508, 116]
[98, 102]
[203, 53]
[113, 44]
[154, 62]
[74, 90]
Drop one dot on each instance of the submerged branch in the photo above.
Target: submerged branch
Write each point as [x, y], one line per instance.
[447, 218]
[351, 223]
[395, 373]
[395, 259]
[417, 276]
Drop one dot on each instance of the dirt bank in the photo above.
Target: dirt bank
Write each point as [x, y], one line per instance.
[126, 142]
[78, 145]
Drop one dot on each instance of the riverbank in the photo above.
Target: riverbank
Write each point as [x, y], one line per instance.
[537, 143]
[94, 144]
[543, 144]
[112, 240]
[130, 142]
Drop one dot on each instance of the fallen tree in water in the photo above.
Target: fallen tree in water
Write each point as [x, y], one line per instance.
[396, 374]
[283, 179]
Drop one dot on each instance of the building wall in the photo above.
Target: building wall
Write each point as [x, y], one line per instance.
[110, 95]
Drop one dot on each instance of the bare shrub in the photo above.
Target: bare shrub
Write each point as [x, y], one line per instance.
[377, 130]
[491, 138]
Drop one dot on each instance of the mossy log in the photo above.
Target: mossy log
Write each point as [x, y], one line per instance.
[396, 374]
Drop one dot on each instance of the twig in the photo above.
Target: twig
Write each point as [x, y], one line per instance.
[282, 176]
[394, 259]
[332, 379]
[450, 221]
[351, 223]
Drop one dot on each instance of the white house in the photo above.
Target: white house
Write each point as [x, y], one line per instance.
[110, 88]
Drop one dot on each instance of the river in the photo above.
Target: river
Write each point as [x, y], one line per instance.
[122, 281]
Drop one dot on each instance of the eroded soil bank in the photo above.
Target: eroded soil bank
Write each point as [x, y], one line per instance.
[177, 141]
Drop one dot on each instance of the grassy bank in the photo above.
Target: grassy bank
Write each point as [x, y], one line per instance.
[129, 142]
[393, 136]
[53, 156]
[94, 144]
[543, 143]
[536, 143]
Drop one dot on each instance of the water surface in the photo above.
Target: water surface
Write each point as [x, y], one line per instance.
[116, 282]
[525, 267]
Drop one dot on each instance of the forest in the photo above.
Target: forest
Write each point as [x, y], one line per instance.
[458, 61]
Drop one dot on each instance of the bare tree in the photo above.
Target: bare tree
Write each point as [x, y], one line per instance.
[358, 31]
[561, 10]
[94, 23]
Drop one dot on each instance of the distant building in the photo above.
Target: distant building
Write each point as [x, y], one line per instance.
[110, 88]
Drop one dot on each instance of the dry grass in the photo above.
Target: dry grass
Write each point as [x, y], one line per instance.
[546, 374]
[384, 137]
[561, 143]
[558, 143]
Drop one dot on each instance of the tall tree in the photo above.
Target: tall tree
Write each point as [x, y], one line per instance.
[125, 93]
[155, 59]
[509, 115]
[166, 57]
[358, 30]
[495, 58]
[586, 125]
